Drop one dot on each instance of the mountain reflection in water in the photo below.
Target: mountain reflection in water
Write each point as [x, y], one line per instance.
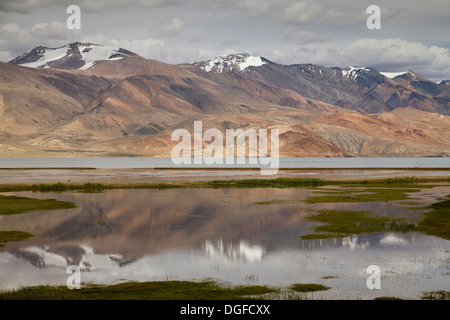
[223, 234]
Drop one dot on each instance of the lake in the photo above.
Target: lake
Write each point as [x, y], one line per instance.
[128, 163]
[232, 235]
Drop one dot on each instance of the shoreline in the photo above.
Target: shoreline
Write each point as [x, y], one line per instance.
[219, 182]
[235, 168]
[79, 175]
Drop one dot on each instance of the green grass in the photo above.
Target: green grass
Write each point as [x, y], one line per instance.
[7, 236]
[406, 183]
[60, 187]
[159, 290]
[15, 205]
[308, 287]
[436, 222]
[367, 194]
[398, 182]
[274, 201]
[342, 223]
[436, 295]
[402, 180]
[276, 182]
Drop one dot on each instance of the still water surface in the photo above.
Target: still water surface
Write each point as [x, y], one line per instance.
[127, 163]
[223, 234]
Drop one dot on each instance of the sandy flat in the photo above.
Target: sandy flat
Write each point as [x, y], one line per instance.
[11, 176]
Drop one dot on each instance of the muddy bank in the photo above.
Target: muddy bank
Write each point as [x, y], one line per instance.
[86, 175]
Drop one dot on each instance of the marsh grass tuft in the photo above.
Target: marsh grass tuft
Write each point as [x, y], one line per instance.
[7, 236]
[436, 222]
[343, 223]
[15, 205]
[329, 277]
[157, 290]
[10, 205]
[368, 194]
[402, 180]
[61, 187]
[276, 182]
[308, 287]
[274, 201]
[436, 295]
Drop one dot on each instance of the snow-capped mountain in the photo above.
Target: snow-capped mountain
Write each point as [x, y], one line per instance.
[231, 62]
[393, 75]
[129, 105]
[353, 72]
[72, 56]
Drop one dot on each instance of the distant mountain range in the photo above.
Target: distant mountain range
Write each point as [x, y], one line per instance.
[72, 56]
[84, 99]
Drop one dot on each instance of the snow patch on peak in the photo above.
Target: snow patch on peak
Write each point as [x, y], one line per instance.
[47, 55]
[354, 72]
[93, 53]
[393, 75]
[228, 62]
[89, 53]
[251, 61]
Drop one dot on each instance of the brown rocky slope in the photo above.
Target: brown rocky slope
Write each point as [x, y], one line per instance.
[130, 107]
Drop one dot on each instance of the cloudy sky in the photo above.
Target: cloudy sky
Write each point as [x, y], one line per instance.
[414, 35]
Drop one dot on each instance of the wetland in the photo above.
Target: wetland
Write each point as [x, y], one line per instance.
[264, 235]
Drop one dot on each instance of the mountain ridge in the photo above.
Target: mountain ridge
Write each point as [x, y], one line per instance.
[221, 60]
[130, 106]
[75, 55]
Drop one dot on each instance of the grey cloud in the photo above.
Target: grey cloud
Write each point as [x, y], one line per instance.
[104, 5]
[19, 6]
[52, 30]
[158, 3]
[399, 55]
[250, 8]
[334, 16]
[87, 6]
[216, 4]
[230, 42]
[172, 27]
[390, 51]
[18, 40]
[306, 37]
[388, 55]
[302, 13]
[254, 8]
